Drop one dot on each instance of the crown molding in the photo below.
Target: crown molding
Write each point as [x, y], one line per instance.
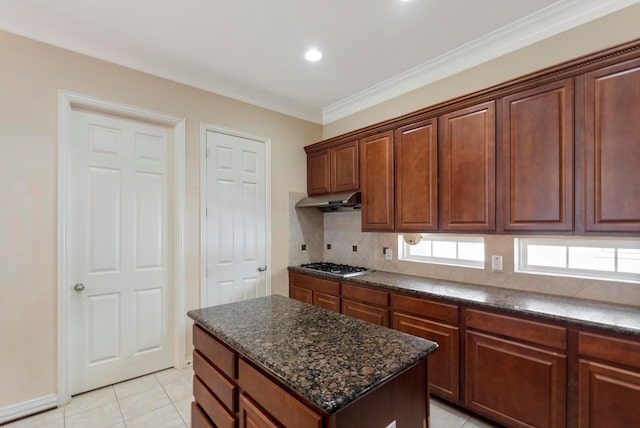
[547, 22]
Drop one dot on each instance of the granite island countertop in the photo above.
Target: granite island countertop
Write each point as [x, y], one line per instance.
[619, 318]
[327, 358]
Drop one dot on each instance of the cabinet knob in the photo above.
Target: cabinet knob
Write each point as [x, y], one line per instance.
[78, 287]
[262, 268]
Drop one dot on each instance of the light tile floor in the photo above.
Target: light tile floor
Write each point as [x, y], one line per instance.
[163, 400]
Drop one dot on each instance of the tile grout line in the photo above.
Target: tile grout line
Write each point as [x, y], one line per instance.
[170, 400]
[119, 408]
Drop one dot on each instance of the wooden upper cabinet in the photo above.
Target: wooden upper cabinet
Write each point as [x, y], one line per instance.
[537, 158]
[612, 148]
[344, 167]
[333, 169]
[377, 182]
[416, 176]
[468, 168]
[318, 172]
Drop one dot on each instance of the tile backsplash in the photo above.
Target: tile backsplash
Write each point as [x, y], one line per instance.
[343, 231]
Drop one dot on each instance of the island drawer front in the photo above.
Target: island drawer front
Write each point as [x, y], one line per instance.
[198, 418]
[325, 286]
[212, 407]
[281, 405]
[610, 349]
[222, 357]
[529, 331]
[251, 416]
[226, 391]
[365, 294]
[428, 308]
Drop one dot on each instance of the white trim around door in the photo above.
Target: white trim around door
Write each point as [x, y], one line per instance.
[67, 101]
[204, 128]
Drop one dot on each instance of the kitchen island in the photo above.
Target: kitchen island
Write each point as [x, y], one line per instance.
[274, 361]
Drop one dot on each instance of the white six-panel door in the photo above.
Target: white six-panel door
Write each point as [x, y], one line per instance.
[119, 244]
[235, 223]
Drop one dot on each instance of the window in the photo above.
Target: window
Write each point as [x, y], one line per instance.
[617, 260]
[449, 250]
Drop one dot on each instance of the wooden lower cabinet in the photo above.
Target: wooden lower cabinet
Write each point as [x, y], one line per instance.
[444, 366]
[366, 304]
[327, 301]
[438, 322]
[608, 382]
[365, 312]
[516, 384]
[319, 292]
[251, 416]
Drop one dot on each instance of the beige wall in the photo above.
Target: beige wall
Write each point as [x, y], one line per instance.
[30, 77]
[615, 29]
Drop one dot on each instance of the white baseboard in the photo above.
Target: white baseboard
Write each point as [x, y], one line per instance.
[27, 408]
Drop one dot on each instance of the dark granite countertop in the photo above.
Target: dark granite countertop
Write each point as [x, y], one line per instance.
[328, 358]
[618, 318]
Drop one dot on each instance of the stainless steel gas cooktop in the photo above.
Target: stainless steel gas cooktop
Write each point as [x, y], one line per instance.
[344, 271]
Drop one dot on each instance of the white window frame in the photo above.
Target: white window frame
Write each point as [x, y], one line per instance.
[521, 265]
[404, 251]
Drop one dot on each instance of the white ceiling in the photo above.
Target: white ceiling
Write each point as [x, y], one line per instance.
[252, 50]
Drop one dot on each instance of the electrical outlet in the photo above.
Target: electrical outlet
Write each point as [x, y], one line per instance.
[304, 247]
[354, 248]
[328, 246]
[388, 254]
[496, 263]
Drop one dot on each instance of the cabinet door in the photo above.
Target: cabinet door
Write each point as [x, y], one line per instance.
[318, 172]
[467, 165]
[608, 396]
[372, 314]
[416, 177]
[376, 180]
[327, 301]
[302, 294]
[444, 365]
[515, 384]
[345, 174]
[537, 161]
[612, 148]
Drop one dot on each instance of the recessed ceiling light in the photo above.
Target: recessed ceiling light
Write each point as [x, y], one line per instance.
[313, 55]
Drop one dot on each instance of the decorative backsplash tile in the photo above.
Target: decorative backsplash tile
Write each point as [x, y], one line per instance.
[343, 230]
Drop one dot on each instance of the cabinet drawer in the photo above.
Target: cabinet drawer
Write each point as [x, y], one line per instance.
[223, 358]
[275, 400]
[530, 331]
[428, 308]
[198, 418]
[212, 407]
[224, 389]
[325, 286]
[251, 416]
[365, 294]
[364, 312]
[301, 294]
[611, 349]
[326, 301]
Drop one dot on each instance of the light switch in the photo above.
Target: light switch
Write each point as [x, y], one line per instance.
[388, 254]
[496, 263]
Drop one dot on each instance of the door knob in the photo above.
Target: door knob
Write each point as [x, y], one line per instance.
[262, 268]
[78, 287]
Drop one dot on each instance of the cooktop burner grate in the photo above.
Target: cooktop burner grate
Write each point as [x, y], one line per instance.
[344, 271]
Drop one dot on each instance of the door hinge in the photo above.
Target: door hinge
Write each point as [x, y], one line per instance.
[206, 212]
[207, 152]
